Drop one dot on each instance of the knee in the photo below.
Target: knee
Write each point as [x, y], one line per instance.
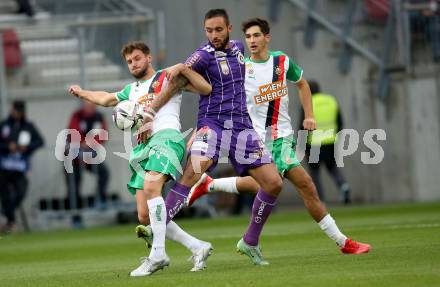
[149, 189]
[274, 185]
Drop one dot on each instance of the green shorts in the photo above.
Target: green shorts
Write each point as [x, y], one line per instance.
[283, 154]
[163, 153]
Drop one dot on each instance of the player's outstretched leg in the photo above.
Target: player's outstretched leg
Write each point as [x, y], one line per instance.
[304, 185]
[234, 185]
[264, 201]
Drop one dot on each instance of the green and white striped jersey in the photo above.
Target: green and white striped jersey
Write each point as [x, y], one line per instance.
[144, 92]
[267, 94]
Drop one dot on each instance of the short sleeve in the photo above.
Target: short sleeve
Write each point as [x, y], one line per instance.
[197, 61]
[294, 73]
[123, 94]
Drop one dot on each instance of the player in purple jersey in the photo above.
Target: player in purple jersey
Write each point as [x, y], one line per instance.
[224, 128]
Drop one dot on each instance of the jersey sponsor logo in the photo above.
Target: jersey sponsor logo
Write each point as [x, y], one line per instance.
[270, 92]
[193, 59]
[224, 67]
[146, 99]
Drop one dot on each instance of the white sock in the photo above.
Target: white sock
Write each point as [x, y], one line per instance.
[226, 184]
[158, 217]
[175, 233]
[328, 225]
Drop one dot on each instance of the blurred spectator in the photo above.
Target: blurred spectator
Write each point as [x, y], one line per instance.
[84, 120]
[425, 20]
[25, 7]
[327, 116]
[378, 10]
[18, 141]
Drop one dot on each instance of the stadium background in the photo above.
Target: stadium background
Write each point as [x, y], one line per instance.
[51, 45]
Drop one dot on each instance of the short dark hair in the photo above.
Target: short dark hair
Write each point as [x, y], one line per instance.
[217, 13]
[262, 23]
[131, 46]
[19, 106]
[314, 87]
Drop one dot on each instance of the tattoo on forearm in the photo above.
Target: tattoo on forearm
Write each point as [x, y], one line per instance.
[174, 86]
[180, 82]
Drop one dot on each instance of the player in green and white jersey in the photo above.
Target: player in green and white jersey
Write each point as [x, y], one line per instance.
[267, 96]
[157, 156]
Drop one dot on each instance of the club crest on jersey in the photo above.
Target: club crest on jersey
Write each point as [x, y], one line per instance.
[278, 71]
[224, 67]
[250, 71]
[155, 84]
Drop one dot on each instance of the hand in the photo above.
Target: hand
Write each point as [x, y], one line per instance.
[175, 70]
[191, 140]
[75, 90]
[309, 124]
[144, 132]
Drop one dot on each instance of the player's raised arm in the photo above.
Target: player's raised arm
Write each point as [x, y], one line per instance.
[178, 81]
[305, 97]
[197, 84]
[101, 98]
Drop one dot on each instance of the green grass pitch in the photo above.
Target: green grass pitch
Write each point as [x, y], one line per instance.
[405, 240]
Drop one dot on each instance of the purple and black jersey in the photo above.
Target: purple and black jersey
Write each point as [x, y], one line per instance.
[225, 71]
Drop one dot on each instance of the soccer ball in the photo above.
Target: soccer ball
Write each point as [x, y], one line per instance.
[127, 115]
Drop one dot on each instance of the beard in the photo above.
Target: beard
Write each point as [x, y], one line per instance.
[223, 44]
[140, 74]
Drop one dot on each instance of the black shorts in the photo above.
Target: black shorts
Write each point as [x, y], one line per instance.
[326, 156]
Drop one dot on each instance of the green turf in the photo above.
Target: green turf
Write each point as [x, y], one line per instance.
[405, 240]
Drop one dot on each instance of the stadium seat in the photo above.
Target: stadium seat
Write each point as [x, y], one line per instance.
[378, 10]
[11, 49]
